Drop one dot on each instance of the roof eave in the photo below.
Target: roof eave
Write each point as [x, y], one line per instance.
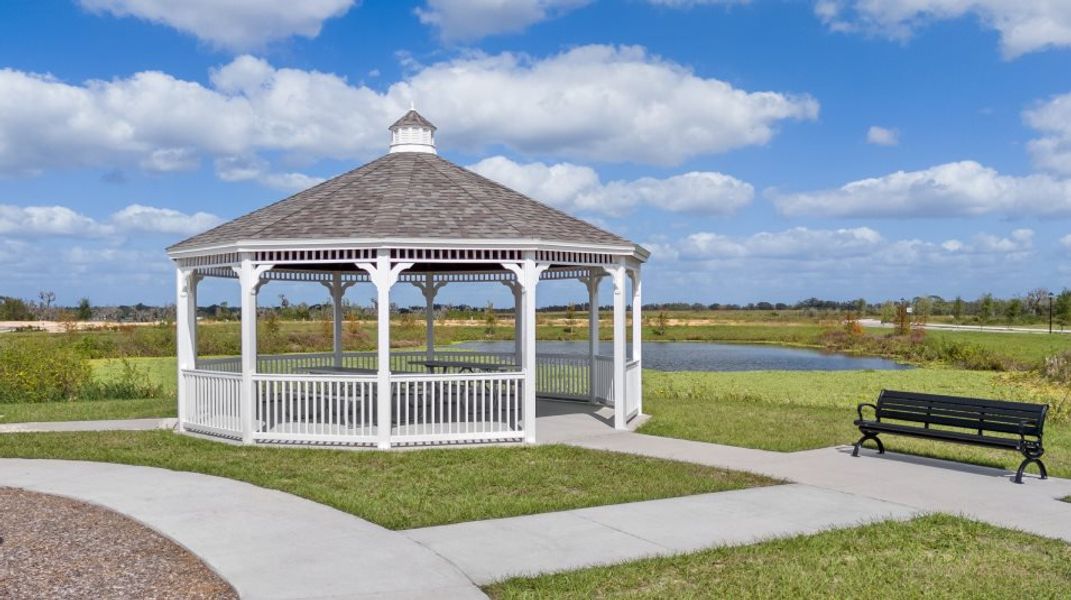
[624, 249]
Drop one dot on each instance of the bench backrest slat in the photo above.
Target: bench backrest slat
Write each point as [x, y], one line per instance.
[998, 416]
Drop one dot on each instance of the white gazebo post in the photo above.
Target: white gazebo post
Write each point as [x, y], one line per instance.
[528, 273]
[249, 276]
[518, 320]
[592, 283]
[637, 335]
[617, 273]
[337, 289]
[186, 325]
[384, 276]
[429, 288]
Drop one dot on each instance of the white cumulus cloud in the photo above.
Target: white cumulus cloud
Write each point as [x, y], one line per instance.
[594, 102]
[232, 24]
[1024, 25]
[138, 217]
[881, 136]
[47, 220]
[467, 20]
[957, 189]
[579, 188]
[32, 221]
[1052, 119]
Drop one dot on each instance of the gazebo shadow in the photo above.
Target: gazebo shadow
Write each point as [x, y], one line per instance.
[562, 420]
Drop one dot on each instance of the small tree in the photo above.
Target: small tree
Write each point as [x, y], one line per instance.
[903, 319]
[957, 308]
[985, 308]
[1061, 308]
[1013, 310]
[888, 312]
[570, 317]
[47, 298]
[490, 319]
[84, 312]
[661, 323]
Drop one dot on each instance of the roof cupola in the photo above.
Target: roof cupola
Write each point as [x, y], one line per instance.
[412, 133]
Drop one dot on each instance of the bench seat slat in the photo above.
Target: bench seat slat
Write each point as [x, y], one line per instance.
[963, 408]
[982, 440]
[975, 424]
[1015, 407]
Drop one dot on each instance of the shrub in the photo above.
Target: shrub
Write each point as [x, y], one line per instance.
[131, 383]
[42, 370]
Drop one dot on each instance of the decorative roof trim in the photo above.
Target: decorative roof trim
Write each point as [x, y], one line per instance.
[446, 244]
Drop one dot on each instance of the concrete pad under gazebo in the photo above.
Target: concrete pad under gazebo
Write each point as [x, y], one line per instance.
[407, 217]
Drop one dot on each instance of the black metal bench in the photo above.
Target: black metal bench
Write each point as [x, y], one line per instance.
[990, 423]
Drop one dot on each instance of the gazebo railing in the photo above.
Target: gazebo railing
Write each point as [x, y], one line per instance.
[632, 389]
[291, 404]
[319, 408]
[213, 402]
[457, 407]
[565, 376]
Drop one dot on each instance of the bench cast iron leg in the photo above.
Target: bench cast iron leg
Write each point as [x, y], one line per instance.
[868, 436]
[1031, 458]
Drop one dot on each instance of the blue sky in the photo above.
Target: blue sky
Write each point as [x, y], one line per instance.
[763, 150]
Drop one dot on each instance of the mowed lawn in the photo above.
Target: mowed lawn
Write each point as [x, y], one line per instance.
[401, 490]
[929, 557]
[789, 411]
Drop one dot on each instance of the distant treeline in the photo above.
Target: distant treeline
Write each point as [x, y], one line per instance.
[1030, 307]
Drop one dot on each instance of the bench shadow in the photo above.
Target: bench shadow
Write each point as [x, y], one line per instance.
[939, 463]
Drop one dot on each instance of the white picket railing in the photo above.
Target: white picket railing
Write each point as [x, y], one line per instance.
[295, 406]
[316, 408]
[632, 389]
[604, 380]
[457, 407]
[564, 376]
[213, 402]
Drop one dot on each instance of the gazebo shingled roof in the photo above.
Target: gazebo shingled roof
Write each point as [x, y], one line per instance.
[407, 195]
[413, 119]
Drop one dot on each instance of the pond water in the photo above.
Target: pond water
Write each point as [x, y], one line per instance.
[702, 356]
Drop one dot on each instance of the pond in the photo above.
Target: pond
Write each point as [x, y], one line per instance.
[702, 356]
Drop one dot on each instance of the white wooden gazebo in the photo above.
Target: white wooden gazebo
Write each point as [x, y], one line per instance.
[408, 217]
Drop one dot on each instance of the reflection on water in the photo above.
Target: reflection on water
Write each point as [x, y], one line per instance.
[696, 356]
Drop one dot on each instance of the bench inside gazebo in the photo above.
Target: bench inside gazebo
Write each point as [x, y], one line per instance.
[407, 218]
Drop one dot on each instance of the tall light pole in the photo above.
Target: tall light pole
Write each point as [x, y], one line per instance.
[1050, 312]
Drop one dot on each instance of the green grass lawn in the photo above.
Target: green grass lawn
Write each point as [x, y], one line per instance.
[1027, 348]
[95, 410]
[929, 557]
[401, 490]
[162, 370]
[790, 411]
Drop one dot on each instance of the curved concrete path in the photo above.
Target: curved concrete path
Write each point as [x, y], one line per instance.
[265, 543]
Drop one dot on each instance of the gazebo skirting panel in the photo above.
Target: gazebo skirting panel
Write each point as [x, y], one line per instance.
[293, 405]
[386, 398]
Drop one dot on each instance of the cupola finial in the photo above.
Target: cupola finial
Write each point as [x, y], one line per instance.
[412, 133]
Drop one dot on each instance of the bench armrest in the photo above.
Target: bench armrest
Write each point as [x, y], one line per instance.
[859, 409]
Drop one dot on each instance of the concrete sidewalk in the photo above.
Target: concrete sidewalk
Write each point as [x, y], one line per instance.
[931, 485]
[493, 550]
[113, 425]
[267, 544]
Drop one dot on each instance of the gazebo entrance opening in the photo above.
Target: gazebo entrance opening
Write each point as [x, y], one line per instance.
[442, 225]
